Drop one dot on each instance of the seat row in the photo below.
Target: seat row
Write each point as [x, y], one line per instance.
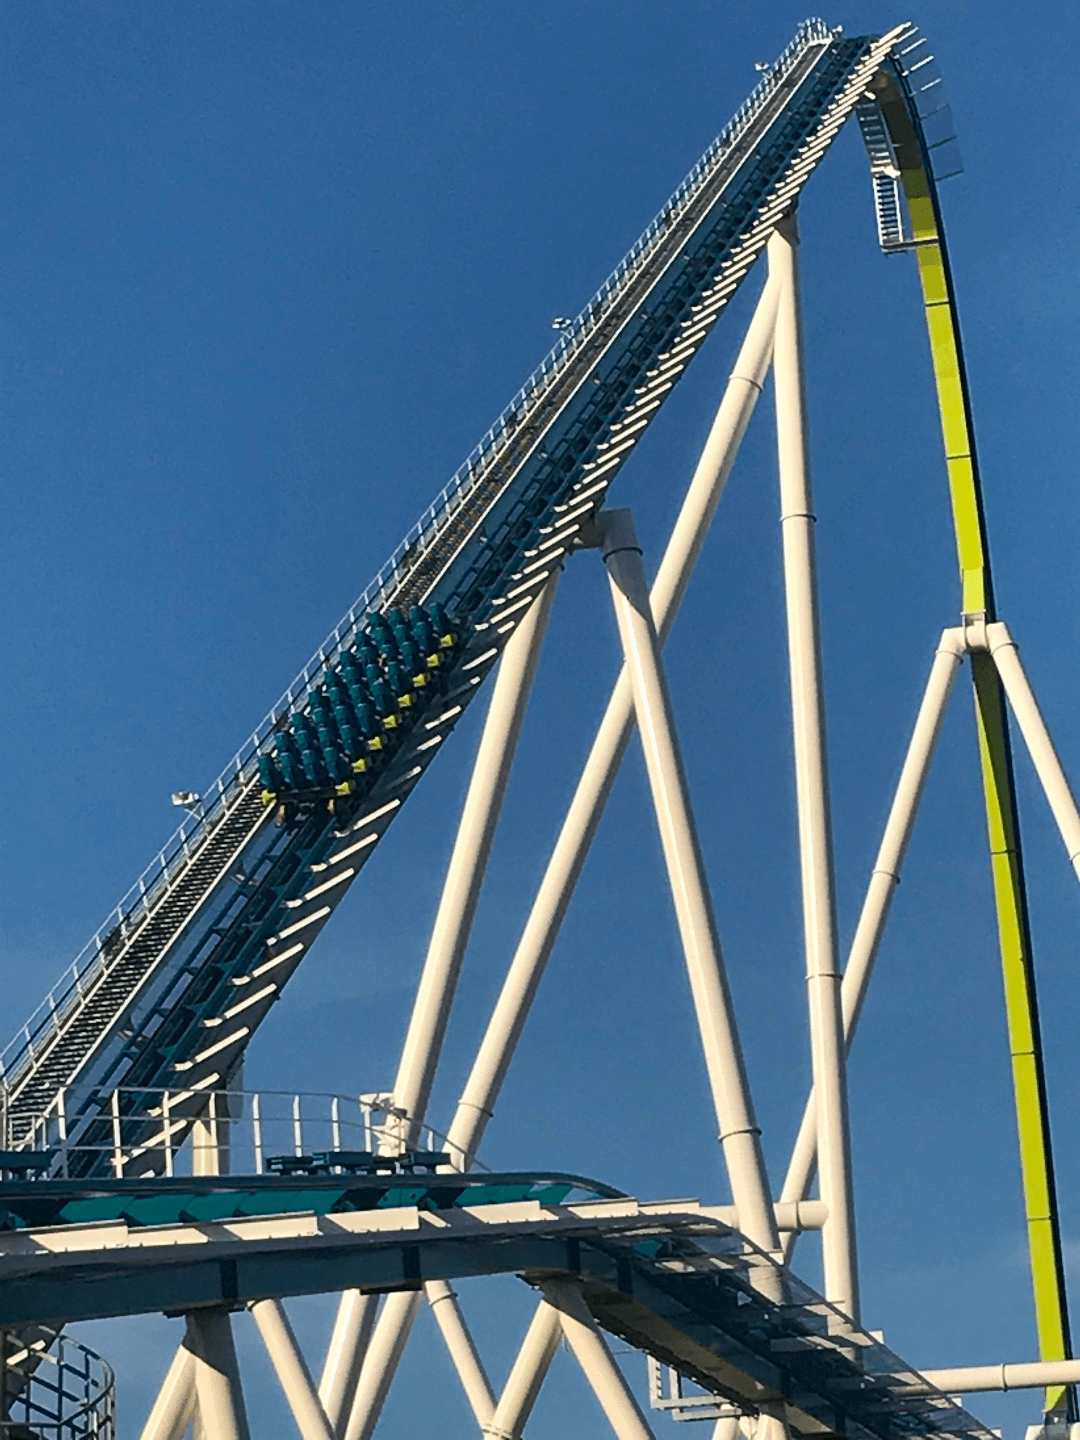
[349, 722]
[357, 1162]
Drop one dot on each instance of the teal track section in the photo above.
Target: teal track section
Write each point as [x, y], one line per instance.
[36, 1204]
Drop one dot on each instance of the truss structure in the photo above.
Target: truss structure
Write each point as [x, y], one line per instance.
[133, 1062]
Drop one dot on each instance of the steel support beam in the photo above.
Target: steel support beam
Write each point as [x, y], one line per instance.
[1037, 738]
[740, 1135]
[291, 1370]
[468, 864]
[174, 1407]
[511, 1011]
[828, 1058]
[884, 879]
[507, 1022]
[970, 1379]
[592, 1354]
[1025, 1042]
[527, 1375]
[217, 1375]
[380, 1363]
[345, 1353]
[462, 1350]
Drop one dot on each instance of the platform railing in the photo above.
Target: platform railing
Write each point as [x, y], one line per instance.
[223, 793]
[54, 1388]
[135, 1133]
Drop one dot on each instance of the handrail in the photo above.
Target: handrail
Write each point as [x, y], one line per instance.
[56, 1389]
[230, 785]
[83, 1126]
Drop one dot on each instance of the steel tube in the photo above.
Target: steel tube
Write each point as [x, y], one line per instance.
[507, 1022]
[740, 1135]
[381, 1361]
[217, 1375]
[527, 1374]
[1033, 728]
[967, 1379]
[795, 1215]
[468, 864]
[592, 1354]
[884, 879]
[463, 1353]
[828, 1061]
[291, 1370]
[345, 1353]
[449, 937]
[587, 806]
[175, 1404]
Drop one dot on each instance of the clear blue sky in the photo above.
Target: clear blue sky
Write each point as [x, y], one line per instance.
[267, 271]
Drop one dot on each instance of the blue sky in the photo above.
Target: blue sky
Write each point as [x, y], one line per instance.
[267, 271]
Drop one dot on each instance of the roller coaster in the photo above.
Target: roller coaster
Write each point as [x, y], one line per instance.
[128, 1188]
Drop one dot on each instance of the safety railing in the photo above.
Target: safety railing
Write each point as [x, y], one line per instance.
[135, 1133]
[929, 101]
[215, 803]
[54, 1388]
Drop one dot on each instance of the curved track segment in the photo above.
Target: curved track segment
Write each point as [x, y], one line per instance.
[189, 965]
[893, 119]
[671, 1278]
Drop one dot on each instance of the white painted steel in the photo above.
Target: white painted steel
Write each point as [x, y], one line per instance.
[1033, 728]
[175, 1404]
[740, 1135]
[345, 1353]
[453, 922]
[884, 879]
[582, 818]
[381, 1361]
[592, 1354]
[1034, 1375]
[205, 1155]
[443, 1301]
[468, 864]
[828, 1060]
[217, 1375]
[527, 1375]
[291, 1370]
[507, 1022]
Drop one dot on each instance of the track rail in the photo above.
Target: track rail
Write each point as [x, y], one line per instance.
[671, 1278]
[234, 904]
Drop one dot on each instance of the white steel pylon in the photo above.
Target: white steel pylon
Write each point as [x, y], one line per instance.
[364, 1352]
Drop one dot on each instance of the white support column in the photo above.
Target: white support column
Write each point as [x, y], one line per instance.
[463, 1353]
[527, 1375]
[739, 1133]
[175, 1404]
[206, 1139]
[508, 1019]
[381, 1361]
[884, 879]
[811, 784]
[973, 1379]
[345, 1353]
[217, 1375]
[1037, 738]
[468, 863]
[291, 1369]
[572, 846]
[592, 1354]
